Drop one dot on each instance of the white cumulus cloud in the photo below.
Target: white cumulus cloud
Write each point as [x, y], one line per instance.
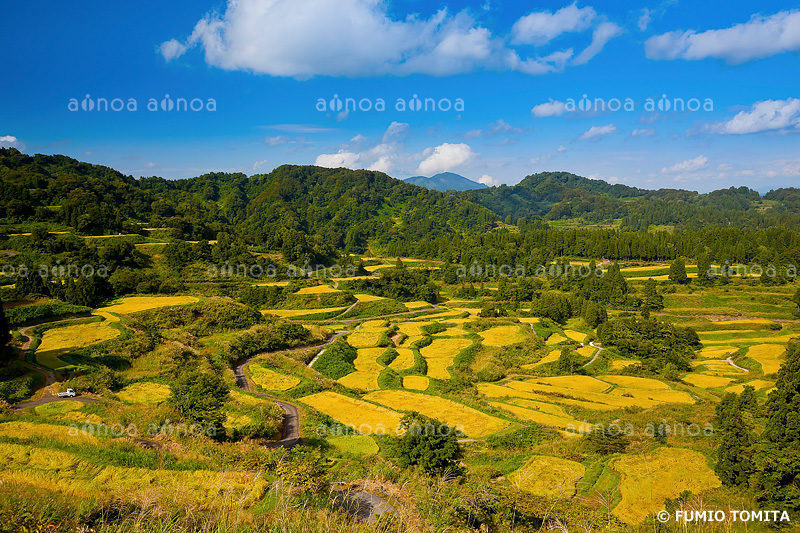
[690, 165]
[541, 27]
[9, 141]
[768, 115]
[758, 38]
[445, 157]
[597, 132]
[339, 159]
[600, 36]
[487, 180]
[549, 109]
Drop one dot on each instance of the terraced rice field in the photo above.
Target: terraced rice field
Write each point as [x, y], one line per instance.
[575, 335]
[291, 313]
[270, 380]
[368, 298]
[645, 485]
[497, 391]
[721, 352]
[550, 408]
[769, 356]
[28, 430]
[758, 384]
[411, 340]
[472, 422]
[632, 382]
[144, 392]
[548, 476]
[455, 331]
[595, 397]
[586, 351]
[416, 382]
[366, 337]
[575, 382]
[619, 364]
[362, 445]
[404, 359]
[529, 320]
[439, 355]
[366, 359]
[717, 367]
[551, 357]
[416, 305]
[502, 336]
[412, 329]
[64, 472]
[134, 304]
[555, 338]
[364, 381]
[60, 341]
[705, 381]
[283, 283]
[57, 408]
[545, 419]
[317, 289]
[366, 417]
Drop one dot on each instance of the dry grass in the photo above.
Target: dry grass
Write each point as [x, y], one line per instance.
[645, 485]
[134, 304]
[440, 354]
[458, 416]
[705, 381]
[769, 356]
[416, 382]
[502, 336]
[548, 476]
[144, 392]
[545, 419]
[270, 380]
[404, 359]
[60, 341]
[356, 413]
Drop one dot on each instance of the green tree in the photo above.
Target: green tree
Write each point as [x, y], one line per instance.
[778, 459]
[428, 443]
[704, 268]
[677, 271]
[796, 299]
[200, 398]
[734, 465]
[652, 300]
[569, 362]
[5, 336]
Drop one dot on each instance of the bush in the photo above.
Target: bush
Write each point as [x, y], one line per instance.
[427, 443]
[337, 360]
[521, 439]
[49, 309]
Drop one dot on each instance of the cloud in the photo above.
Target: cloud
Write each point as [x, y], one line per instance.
[768, 115]
[9, 141]
[597, 132]
[499, 127]
[280, 140]
[541, 27]
[339, 159]
[644, 19]
[298, 128]
[758, 38]
[549, 109]
[355, 38]
[396, 130]
[644, 132]
[445, 157]
[487, 180]
[259, 164]
[690, 165]
[602, 34]
[548, 156]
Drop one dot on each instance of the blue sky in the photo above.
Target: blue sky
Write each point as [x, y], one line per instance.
[507, 80]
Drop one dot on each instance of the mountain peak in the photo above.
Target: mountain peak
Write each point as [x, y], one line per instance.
[445, 181]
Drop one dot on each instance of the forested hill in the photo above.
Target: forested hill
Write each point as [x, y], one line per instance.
[559, 195]
[354, 210]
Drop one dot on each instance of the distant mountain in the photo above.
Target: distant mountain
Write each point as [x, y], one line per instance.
[445, 181]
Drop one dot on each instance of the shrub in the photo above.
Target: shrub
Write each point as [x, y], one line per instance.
[337, 360]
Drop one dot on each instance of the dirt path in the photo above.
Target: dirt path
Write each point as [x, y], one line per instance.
[51, 399]
[729, 360]
[596, 354]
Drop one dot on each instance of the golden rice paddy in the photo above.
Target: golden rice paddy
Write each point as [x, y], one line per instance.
[548, 476]
[757, 384]
[555, 338]
[705, 381]
[361, 380]
[416, 305]
[408, 341]
[646, 484]
[144, 392]
[416, 382]
[502, 336]
[60, 341]
[366, 359]
[717, 366]
[497, 391]
[632, 382]
[472, 422]
[575, 382]
[317, 289]
[366, 338]
[721, 352]
[134, 304]
[404, 359]
[412, 329]
[769, 356]
[619, 364]
[575, 335]
[368, 298]
[550, 408]
[529, 320]
[596, 397]
[290, 313]
[356, 413]
[545, 419]
[549, 358]
[29, 430]
[586, 351]
[58, 408]
[270, 380]
[354, 444]
[439, 355]
[283, 283]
